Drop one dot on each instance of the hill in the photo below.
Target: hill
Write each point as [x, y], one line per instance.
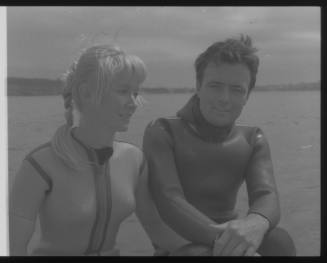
[47, 87]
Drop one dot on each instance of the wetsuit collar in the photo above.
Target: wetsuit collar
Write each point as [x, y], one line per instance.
[103, 154]
[191, 113]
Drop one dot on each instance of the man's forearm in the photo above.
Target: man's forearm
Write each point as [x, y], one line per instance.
[259, 220]
[187, 220]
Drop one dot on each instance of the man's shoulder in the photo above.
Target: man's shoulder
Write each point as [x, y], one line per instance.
[161, 129]
[162, 120]
[246, 127]
[251, 133]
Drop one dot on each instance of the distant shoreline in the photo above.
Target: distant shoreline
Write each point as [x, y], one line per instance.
[49, 87]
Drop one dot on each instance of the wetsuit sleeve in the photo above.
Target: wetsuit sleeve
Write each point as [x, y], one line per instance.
[26, 196]
[260, 181]
[159, 233]
[167, 191]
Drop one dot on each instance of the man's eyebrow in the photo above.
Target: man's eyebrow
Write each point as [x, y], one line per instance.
[237, 85]
[216, 82]
[213, 82]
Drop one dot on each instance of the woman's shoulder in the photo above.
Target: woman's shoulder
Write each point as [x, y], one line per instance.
[44, 156]
[126, 149]
[40, 151]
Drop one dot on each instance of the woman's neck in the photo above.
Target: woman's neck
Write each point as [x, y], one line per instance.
[94, 137]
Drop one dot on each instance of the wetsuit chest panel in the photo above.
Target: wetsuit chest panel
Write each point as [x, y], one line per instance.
[211, 171]
[70, 209]
[123, 177]
[68, 212]
[214, 164]
[123, 171]
[72, 197]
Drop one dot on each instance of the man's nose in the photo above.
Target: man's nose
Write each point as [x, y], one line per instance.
[224, 95]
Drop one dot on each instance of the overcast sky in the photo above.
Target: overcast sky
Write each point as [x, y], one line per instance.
[43, 41]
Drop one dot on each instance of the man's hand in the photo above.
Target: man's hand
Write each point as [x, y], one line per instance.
[241, 237]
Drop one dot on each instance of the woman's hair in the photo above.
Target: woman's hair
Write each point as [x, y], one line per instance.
[229, 51]
[104, 64]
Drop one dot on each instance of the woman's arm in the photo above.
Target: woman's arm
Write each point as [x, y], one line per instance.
[159, 233]
[26, 196]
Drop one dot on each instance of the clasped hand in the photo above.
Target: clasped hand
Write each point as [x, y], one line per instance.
[241, 237]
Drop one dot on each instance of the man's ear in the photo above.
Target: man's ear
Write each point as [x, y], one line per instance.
[247, 96]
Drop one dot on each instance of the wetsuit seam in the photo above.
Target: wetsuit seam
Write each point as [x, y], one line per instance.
[108, 204]
[41, 172]
[47, 144]
[142, 166]
[95, 223]
[167, 127]
[93, 244]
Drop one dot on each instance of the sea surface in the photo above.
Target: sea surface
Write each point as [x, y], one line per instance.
[290, 120]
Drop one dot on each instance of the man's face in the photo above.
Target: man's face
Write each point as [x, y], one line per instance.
[223, 92]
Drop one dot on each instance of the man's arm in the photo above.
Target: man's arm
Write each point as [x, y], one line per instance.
[260, 182]
[159, 233]
[167, 191]
[243, 236]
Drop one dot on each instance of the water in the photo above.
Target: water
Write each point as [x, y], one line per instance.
[290, 120]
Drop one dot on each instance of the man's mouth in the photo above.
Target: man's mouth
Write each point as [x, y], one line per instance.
[221, 111]
[126, 115]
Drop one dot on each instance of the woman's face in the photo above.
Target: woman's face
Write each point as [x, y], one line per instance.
[116, 107]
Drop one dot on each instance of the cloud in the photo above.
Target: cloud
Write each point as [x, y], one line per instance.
[47, 39]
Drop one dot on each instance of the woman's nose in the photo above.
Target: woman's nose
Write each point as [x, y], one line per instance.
[132, 102]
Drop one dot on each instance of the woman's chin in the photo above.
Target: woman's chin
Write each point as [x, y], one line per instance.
[123, 128]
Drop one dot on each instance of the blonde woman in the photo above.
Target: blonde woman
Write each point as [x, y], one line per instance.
[83, 184]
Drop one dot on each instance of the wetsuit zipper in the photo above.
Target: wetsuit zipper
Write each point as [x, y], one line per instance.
[108, 205]
[98, 234]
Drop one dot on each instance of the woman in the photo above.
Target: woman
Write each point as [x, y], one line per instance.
[83, 184]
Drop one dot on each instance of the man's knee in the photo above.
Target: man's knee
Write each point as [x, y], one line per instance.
[193, 250]
[277, 242]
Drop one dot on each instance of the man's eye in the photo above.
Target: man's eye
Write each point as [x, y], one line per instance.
[238, 89]
[215, 86]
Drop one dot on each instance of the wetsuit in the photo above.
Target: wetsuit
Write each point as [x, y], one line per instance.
[195, 172]
[80, 211]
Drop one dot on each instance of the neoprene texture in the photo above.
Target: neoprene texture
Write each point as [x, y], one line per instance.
[195, 182]
[80, 211]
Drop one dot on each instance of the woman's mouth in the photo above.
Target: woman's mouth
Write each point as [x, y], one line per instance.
[126, 115]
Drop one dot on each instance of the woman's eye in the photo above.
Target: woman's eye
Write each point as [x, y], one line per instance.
[123, 91]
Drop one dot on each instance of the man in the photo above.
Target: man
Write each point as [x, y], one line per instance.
[198, 160]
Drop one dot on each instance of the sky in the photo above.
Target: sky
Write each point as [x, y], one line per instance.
[42, 42]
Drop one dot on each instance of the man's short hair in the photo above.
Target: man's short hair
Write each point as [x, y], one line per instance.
[231, 51]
